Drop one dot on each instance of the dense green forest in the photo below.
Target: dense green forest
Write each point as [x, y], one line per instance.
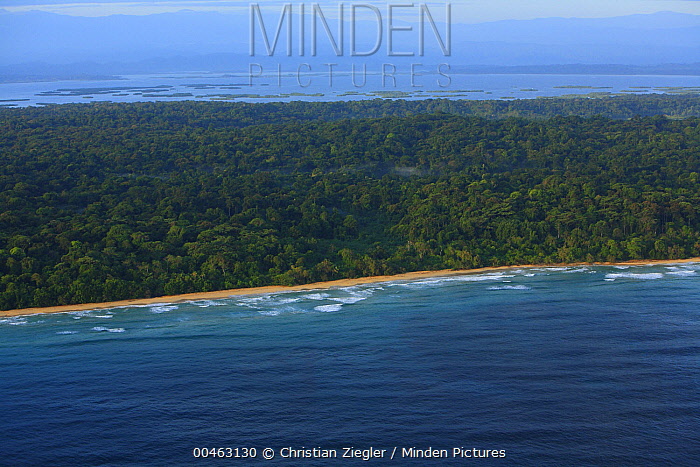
[111, 201]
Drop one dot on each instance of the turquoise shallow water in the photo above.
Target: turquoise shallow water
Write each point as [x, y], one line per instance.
[553, 366]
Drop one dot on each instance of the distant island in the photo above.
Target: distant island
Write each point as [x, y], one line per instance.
[104, 202]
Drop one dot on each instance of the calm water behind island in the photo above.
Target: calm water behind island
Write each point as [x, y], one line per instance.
[270, 88]
[556, 366]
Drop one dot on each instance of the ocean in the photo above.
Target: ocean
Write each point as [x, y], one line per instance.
[594, 365]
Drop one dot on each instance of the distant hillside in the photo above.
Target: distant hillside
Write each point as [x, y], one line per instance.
[179, 41]
[687, 69]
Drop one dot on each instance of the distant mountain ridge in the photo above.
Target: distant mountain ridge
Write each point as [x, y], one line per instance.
[177, 41]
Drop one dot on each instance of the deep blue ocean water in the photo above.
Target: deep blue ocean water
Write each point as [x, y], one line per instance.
[554, 366]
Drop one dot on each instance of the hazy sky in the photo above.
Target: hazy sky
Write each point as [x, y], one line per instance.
[467, 11]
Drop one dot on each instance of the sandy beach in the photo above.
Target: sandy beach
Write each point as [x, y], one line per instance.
[221, 294]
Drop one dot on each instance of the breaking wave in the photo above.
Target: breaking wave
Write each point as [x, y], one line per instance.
[509, 287]
[633, 275]
[104, 329]
[328, 308]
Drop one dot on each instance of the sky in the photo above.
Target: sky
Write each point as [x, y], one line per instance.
[463, 11]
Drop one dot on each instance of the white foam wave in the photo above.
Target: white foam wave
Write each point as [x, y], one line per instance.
[483, 277]
[621, 267]
[79, 314]
[569, 271]
[104, 329]
[270, 312]
[355, 296]
[683, 273]
[65, 333]
[249, 301]
[263, 304]
[107, 314]
[149, 305]
[422, 283]
[316, 296]
[329, 308]
[275, 304]
[632, 275]
[285, 301]
[348, 300]
[208, 303]
[162, 309]
[509, 287]
[491, 276]
[14, 321]
[684, 266]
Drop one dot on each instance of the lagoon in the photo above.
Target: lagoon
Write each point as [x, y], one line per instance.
[285, 87]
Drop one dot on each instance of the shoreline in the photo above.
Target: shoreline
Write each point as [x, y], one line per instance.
[223, 294]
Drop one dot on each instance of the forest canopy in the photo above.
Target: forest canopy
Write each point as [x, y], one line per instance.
[106, 201]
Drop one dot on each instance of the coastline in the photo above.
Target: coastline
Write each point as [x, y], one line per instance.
[222, 294]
